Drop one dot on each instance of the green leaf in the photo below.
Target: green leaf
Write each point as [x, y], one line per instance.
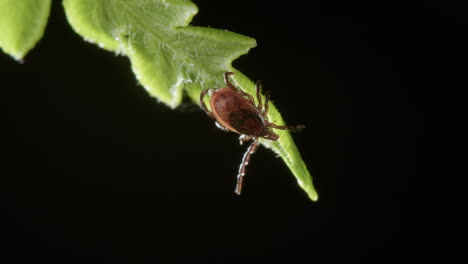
[169, 57]
[22, 24]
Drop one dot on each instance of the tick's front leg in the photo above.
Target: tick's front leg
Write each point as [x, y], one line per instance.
[289, 128]
[244, 138]
[267, 101]
[258, 90]
[238, 91]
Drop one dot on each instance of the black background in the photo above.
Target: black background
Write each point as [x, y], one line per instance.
[93, 166]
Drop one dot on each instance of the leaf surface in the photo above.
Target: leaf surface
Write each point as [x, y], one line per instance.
[169, 57]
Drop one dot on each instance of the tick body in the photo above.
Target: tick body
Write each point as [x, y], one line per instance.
[235, 113]
[235, 110]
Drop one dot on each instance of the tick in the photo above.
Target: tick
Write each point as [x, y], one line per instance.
[235, 110]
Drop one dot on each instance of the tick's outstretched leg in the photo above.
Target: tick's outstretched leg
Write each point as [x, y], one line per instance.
[239, 91]
[265, 107]
[289, 128]
[202, 102]
[258, 90]
[245, 161]
[265, 113]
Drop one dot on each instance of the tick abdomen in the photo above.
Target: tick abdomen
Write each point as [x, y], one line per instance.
[246, 122]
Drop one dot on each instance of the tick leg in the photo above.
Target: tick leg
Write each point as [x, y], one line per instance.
[245, 161]
[271, 136]
[265, 112]
[265, 107]
[239, 91]
[289, 128]
[202, 102]
[244, 138]
[226, 79]
[258, 90]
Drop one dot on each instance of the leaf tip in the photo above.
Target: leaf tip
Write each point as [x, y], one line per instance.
[309, 189]
[17, 56]
[313, 195]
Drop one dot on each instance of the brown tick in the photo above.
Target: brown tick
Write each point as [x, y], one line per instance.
[235, 110]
